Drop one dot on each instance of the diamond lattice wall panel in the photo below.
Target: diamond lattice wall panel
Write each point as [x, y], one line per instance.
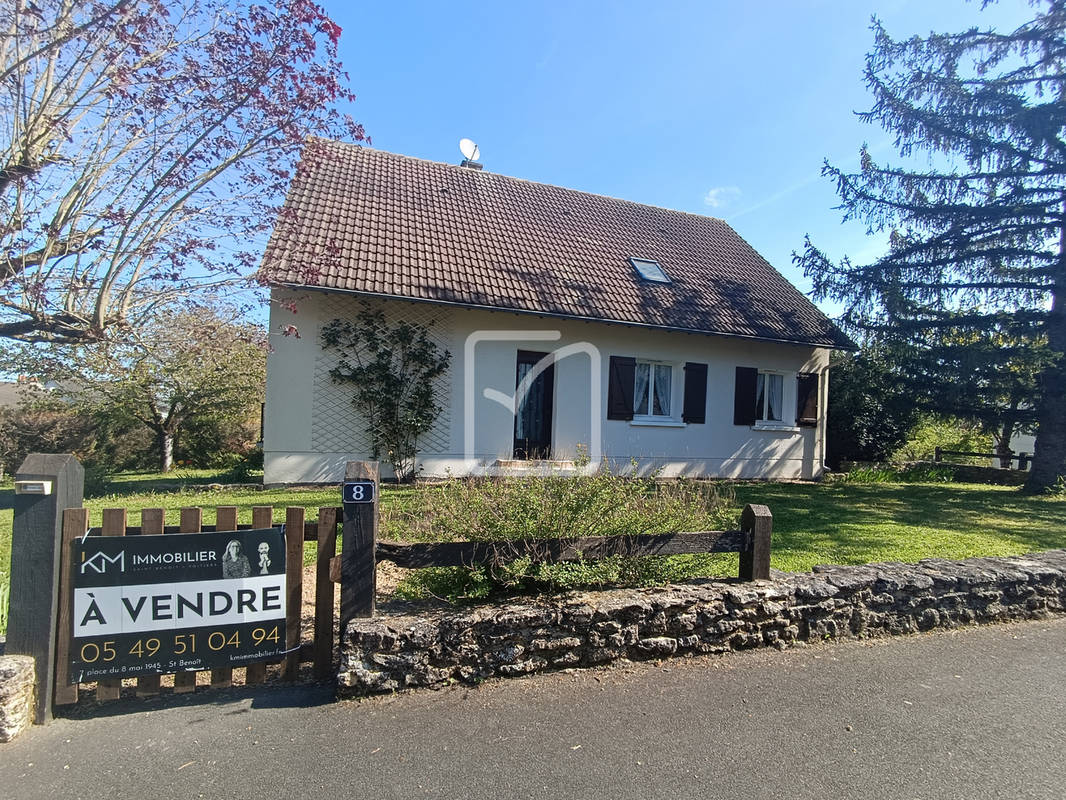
[336, 426]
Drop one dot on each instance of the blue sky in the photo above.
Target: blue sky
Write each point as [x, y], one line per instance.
[719, 108]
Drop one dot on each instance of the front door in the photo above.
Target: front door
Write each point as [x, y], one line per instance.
[533, 418]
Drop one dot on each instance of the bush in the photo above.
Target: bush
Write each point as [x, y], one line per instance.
[870, 411]
[209, 442]
[120, 445]
[243, 468]
[98, 479]
[948, 433]
[40, 424]
[566, 507]
[926, 473]
[913, 473]
[556, 506]
[871, 475]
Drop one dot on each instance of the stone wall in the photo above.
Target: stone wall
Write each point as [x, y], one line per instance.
[17, 678]
[394, 652]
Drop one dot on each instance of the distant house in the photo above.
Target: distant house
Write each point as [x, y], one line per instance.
[662, 338]
[11, 393]
[1023, 443]
[14, 393]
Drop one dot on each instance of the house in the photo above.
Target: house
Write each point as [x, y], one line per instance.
[12, 393]
[26, 387]
[657, 339]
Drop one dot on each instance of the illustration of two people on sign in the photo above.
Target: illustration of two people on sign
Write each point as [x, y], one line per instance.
[235, 562]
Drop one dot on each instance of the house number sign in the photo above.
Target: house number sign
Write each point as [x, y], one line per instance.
[358, 492]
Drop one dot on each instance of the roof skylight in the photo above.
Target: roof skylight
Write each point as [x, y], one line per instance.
[649, 270]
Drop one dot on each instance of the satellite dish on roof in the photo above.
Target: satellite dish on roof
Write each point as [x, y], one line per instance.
[469, 150]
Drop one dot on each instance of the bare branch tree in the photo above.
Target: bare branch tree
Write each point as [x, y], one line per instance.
[144, 147]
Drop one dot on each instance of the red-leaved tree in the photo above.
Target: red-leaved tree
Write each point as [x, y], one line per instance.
[145, 147]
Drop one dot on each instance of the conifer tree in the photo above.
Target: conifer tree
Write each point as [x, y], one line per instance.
[976, 228]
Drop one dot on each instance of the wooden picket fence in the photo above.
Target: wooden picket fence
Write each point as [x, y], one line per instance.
[48, 515]
[297, 530]
[355, 569]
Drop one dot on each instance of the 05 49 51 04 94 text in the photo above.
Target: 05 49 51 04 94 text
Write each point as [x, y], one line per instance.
[129, 655]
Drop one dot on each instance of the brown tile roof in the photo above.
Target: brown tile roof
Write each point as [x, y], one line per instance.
[372, 222]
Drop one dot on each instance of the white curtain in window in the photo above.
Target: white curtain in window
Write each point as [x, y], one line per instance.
[640, 389]
[661, 405]
[775, 385]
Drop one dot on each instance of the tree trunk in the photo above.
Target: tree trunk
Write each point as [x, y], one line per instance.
[1003, 450]
[1004, 434]
[165, 440]
[1049, 459]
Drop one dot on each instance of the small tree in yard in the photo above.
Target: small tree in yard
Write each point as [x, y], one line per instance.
[144, 147]
[393, 368]
[977, 231]
[187, 366]
[990, 378]
[870, 412]
[948, 433]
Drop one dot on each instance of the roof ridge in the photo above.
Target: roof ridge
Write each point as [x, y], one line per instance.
[504, 176]
[396, 225]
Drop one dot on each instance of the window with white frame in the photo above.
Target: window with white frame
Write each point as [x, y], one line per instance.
[652, 386]
[769, 397]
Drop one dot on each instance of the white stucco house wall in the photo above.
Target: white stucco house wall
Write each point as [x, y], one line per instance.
[657, 340]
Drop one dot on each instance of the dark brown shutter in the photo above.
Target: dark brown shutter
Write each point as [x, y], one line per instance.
[744, 396]
[807, 398]
[620, 387]
[695, 409]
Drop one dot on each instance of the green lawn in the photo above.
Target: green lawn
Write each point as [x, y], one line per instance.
[847, 523]
[838, 523]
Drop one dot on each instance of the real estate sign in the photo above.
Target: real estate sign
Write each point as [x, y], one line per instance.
[151, 604]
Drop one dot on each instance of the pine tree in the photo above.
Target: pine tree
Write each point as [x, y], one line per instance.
[977, 229]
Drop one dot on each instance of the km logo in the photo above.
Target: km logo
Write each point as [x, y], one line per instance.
[99, 562]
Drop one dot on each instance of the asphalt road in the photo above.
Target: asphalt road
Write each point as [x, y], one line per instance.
[979, 713]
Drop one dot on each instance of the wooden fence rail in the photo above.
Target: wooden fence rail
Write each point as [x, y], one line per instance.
[1022, 458]
[752, 542]
[470, 554]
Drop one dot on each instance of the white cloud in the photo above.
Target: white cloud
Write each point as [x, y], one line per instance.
[719, 196]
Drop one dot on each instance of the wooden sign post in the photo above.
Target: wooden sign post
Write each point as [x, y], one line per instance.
[757, 521]
[360, 531]
[45, 485]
